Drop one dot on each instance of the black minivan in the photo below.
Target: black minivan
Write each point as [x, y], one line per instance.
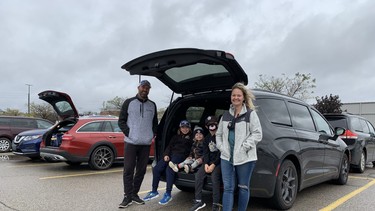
[359, 136]
[299, 148]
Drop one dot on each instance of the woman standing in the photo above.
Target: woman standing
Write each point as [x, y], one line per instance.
[238, 133]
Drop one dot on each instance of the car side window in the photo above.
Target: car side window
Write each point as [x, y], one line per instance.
[107, 127]
[275, 110]
[356, 124]
[301, 117]
[371, 128]
[4, 121]
[115, 126]
[43, 124]
[321, 124]
[364, 126]
[27, 123]
[91, 127]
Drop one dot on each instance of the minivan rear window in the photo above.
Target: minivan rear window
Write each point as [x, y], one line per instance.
[192, 72]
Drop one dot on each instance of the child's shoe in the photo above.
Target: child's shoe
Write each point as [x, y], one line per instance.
[151, 195]
[166, 199]
[173, 166]
[187, 169]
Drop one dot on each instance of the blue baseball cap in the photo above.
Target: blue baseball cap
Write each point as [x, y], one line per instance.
[185, 123]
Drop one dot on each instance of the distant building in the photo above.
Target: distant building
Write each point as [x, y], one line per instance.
[365, 109]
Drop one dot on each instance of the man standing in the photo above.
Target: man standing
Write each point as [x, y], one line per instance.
[138, 121]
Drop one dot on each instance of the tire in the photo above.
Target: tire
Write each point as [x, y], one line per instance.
[5, 145]
[362, 163]
[101, 158]
[286, 186]
[344, 171]
[70, 163]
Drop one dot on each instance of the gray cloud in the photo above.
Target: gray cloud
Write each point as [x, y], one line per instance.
[79, 47]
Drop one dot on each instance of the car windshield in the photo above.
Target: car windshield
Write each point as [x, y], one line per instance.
[338, 122]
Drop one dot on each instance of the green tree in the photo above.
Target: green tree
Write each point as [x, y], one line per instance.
[299, 86]
[331, 104]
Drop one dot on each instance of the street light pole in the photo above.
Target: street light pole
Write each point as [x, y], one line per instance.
[28, 99]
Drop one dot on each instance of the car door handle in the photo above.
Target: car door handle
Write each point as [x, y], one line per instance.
[111, 136]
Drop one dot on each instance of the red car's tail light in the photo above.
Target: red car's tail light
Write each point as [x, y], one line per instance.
[67, 137]
[349, 135]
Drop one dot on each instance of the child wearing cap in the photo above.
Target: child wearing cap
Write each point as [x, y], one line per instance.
[210, 166]
[195, 157]
[176, 151]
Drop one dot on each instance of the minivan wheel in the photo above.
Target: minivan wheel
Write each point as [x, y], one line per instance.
[4, 145]
[101, 158]
[362, 163]
[286, 186]
[344, 171]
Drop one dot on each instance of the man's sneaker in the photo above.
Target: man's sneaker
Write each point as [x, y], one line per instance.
[197, 205]
[127, 201]
[166, 198]
[173, 166]
[187, 169]
[216, 207]
[137, 200]
[151, 195]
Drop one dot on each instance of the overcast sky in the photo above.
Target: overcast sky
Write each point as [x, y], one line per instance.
[78, 47]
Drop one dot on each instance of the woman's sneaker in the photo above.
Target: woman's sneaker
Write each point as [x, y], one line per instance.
[166, 198]
[151, 195]
[173, 166]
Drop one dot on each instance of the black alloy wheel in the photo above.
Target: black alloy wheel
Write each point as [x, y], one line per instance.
[286, 186]
[344, 171]
[101, 158]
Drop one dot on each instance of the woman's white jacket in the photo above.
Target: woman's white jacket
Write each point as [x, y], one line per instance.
[248, 132]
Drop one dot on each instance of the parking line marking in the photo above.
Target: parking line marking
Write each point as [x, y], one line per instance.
[84, 174]
[80, 175]
[347, 197]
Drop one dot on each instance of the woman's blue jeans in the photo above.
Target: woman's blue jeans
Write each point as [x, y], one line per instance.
[241, 176]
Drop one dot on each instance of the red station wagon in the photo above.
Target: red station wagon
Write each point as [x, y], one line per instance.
[97, 140]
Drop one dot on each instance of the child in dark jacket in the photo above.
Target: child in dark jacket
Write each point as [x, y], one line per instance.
[210, 166]
[195, 158]
[176, 151]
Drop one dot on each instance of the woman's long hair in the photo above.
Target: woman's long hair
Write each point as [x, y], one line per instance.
[248, 95]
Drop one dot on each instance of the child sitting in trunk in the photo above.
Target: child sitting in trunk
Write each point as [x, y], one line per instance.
[195, 157]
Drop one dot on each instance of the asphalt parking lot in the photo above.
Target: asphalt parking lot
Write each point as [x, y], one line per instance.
[37, 185]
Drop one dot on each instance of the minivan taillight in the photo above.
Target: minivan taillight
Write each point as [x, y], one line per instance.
[349, 135]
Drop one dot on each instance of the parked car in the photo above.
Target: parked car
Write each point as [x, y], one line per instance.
[27, 143]
[97, 140]
[359, 136]
[10, 126]
[299, 148]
